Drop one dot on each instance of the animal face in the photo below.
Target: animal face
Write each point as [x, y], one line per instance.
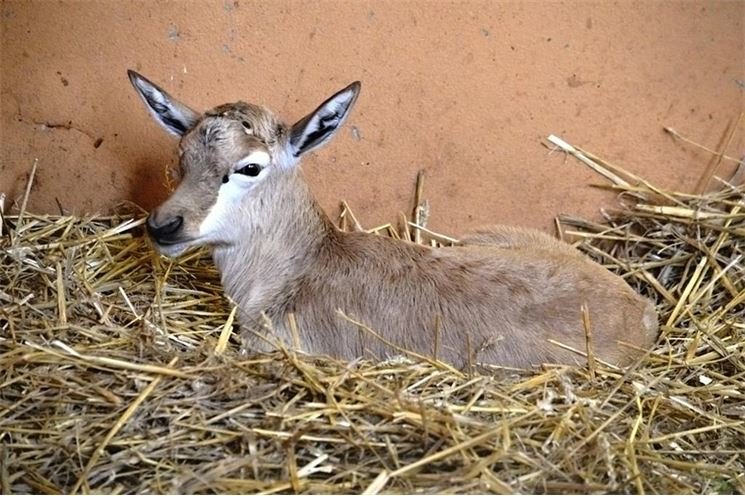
[226, 157]
[228, 153]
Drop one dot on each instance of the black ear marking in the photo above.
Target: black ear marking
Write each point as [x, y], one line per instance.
[174, 124]
[320, 125]
[326, 125]
[174, 116]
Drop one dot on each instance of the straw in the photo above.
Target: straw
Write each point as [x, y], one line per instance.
[122, 373]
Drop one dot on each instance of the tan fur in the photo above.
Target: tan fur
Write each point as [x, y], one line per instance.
[500, 296]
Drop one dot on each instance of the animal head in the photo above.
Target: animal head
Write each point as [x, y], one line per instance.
[229, 156]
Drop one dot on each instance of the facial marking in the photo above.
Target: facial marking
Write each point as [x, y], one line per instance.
[247, 128]
[259, 157]
[233, 189]
[228, 198]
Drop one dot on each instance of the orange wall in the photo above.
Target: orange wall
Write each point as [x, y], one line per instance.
[464, 89]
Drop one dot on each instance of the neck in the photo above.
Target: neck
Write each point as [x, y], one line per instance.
[260, 270]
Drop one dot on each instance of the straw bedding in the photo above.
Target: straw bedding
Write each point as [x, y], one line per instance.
[121, 374]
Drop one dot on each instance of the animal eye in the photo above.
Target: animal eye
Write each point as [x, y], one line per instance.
[250, 170]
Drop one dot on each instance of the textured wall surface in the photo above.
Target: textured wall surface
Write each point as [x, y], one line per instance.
[466, 90]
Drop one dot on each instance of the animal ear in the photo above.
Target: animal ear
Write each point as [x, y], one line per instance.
[316, 128]
[174, 116]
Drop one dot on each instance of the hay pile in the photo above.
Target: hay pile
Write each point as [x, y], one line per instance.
[120, 374]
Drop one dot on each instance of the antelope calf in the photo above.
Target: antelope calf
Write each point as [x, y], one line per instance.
[499, 298]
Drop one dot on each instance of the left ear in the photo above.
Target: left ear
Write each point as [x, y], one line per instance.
[316, 128]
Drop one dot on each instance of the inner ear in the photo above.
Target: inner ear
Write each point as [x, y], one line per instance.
[319, 126]
[173, 115]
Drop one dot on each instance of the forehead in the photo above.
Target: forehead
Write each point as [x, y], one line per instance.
[231, 128]
[226, 134]
[257, 120]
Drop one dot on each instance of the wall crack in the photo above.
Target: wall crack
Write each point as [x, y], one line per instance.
[45, 124]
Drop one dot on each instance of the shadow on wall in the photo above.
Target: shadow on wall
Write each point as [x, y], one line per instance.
[150, 185]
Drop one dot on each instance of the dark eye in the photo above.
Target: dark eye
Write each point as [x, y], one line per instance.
[250, 170]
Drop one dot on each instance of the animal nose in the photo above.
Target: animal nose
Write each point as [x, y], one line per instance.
[165, 232]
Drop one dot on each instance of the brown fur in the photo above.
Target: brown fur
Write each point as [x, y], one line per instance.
[510, 297]
[500, 296]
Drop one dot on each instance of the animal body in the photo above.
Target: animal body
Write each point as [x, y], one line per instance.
[498, 298]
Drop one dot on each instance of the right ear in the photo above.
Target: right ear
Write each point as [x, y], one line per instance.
[319, 126]
[173, 115]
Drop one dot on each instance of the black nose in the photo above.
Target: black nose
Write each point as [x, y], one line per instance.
[166, 232]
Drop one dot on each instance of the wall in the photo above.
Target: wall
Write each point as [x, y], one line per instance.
[466, 90]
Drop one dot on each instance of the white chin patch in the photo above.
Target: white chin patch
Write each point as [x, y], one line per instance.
[172, 251]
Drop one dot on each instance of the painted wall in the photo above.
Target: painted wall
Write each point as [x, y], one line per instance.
[466, 90]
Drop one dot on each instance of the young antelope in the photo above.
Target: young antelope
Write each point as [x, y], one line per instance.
[505, 296]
